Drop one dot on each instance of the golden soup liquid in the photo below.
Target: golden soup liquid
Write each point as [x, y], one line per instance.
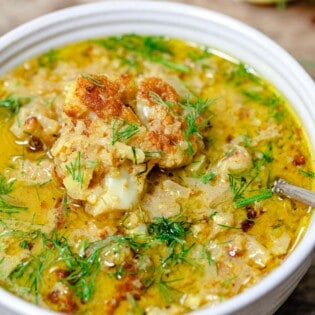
[136, 174]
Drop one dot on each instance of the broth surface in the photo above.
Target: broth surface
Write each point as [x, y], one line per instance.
[136, 174]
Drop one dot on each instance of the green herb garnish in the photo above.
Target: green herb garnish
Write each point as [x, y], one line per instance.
[94, 80]
[246, 201]
[6, 186]
[9, 208]
[122, 130]
[309, 174]
[243, 73]
[75, 169]
[159, 101]
[14, 103]
[153, 48]
[91, 164]
[194, 109]
[169, 231]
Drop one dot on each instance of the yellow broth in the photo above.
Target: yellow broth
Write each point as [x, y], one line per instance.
[204, 243]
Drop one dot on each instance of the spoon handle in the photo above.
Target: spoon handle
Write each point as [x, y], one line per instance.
[280, 186]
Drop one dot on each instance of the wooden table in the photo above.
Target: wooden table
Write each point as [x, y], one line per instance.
[293, 28]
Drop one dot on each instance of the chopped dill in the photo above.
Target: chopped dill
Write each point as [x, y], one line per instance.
[170, 64]
[64, 203]
[229, 227]
[153, 48]
[179, 257]
[243, 73]
[90, 164]
[82, 269]
[157, 99]
[75, 169]
[211, 261]
[6, 186]
[194, 109]
[32, 269]
[169, 293]
[48, 59]
[10, 208]
[134, 154]
[93, 79]
[135, 308]
[169, 231]
[198, 56]
[122, 131]
[238, 185]
[267, 155]
[246, 201]
[45, 183]
[205, 178]
[144, 170]
[309, 174]
[14, 103]
[153, 154]
[272, 101]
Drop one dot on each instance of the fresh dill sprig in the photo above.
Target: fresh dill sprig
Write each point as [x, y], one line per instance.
[75, 169]
[93, 79]
[228, 227]
[194, 109]
[178, 257]
[267, 155]
[238, 185]
[170, 64]
[272, 101]
[82, 269]
[169, 293]
[135, 308]
[6, 186]
[246, 201]
[211, 261]
[205, 178]
[64, 203]
[33, 269]
[198, 56]
[243, 73]
[145, 169]
[48, 59]
[14, 103]
[8, 208]
[122, 130]
[208, 177]
[169, 231]
[153, 48]
[153, 154]
[90, 164]
[309, 174]
[157, 99]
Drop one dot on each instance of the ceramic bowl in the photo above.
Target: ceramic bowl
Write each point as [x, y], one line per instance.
[192, 24]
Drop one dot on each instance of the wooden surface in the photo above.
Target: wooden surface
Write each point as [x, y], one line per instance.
[293, 28]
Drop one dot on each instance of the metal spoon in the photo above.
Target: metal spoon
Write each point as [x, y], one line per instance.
[282, 187]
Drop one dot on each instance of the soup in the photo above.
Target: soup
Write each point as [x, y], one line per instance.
[136, 176]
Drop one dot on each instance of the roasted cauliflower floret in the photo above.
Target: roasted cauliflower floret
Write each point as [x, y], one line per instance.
[113, 133]
[159, 110]
[36, 121]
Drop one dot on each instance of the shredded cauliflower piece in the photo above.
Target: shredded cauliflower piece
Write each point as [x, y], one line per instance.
[37, 120]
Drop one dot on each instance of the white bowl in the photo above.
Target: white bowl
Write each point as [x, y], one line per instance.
[199, 25]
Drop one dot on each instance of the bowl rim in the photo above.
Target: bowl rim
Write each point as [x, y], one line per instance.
[305, 247]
